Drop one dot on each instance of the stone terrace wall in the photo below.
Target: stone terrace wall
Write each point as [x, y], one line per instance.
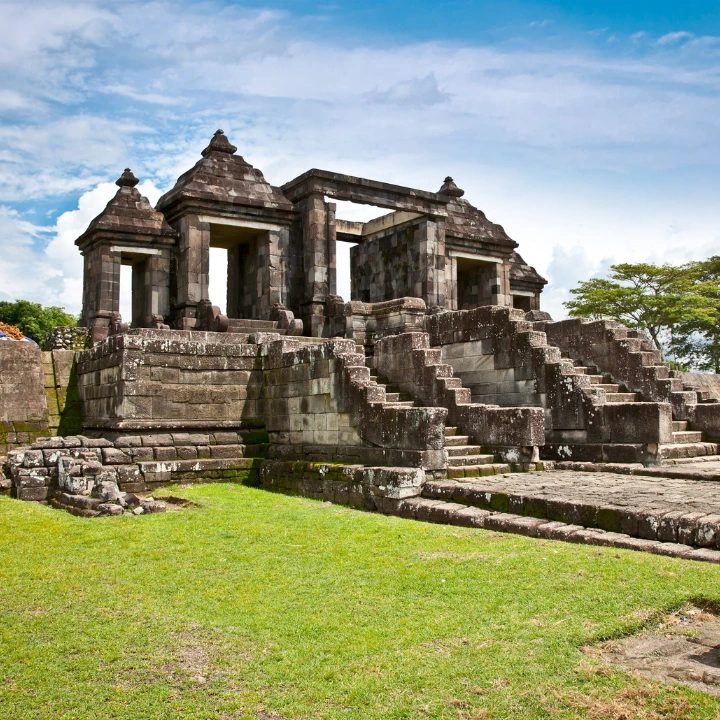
[153, 379]
[23, 406]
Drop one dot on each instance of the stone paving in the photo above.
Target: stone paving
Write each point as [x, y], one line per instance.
[632, 491]
[662, 510]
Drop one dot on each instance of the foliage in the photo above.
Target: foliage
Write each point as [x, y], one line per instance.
[677, 305]
[259, 605]
[33, 319]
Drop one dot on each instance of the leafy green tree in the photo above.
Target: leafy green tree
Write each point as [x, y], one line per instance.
[33, 319]
[697, 339]
[677, 305]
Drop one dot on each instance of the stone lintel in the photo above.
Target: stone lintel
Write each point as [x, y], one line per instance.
[239, 222]
[364, 191]
[239, 209]
[476, 256]
[134, 243]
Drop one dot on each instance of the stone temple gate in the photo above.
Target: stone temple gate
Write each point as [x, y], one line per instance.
[281, 244]
[438, 373]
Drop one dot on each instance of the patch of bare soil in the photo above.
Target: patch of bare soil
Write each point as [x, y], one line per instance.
[175, 503]
[684, 648]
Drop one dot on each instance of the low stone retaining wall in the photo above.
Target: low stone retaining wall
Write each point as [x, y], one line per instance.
[23, 406]
[133, 463]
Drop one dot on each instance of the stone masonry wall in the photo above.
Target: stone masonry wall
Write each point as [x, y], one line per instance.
[153, 379]
[408, 361]
[23, 406]
[395, 263]
[63, 400]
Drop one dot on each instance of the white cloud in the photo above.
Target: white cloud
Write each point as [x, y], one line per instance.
[565, 147]
[675, 37]
[42, 263]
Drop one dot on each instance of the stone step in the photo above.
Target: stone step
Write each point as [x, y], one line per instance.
[588, 522]
[465, 460]
[622, 397]
[581, 369]
[687, 436]
[680, 425]
[455, 451]
[476, 473]
[247, 325]
[596, 379]
[612, 388]
[406, 404]
[455, 440]
[674, 451]
[450, 431]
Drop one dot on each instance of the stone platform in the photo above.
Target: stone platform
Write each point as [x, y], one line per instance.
[665, 509]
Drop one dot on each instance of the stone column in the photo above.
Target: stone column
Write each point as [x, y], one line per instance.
[277, 244]
[101, 289]
[331, 248]
[500, 285]
[315, 263]
[451, 273]
[431, 247]
[139, 284]
[151, 288]
[193, 269]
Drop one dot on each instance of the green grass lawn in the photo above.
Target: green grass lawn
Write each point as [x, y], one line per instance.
[257, 605]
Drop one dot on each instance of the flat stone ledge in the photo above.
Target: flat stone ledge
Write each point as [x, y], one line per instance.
[438, 511]
[667, 510]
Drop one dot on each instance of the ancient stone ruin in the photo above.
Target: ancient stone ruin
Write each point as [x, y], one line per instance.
[439, 372]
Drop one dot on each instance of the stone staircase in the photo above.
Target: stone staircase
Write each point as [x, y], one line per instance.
[686, 444]
[465, 460]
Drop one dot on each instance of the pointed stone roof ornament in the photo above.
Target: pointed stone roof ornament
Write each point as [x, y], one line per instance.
[219, 143]
[127, 179]
[450, 188]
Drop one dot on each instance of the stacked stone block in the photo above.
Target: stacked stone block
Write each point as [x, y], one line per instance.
[66, 338]
[23, 404]
[150, 379]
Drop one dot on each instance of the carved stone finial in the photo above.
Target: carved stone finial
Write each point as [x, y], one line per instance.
[127, 179]
[219, 143]
[450, 188]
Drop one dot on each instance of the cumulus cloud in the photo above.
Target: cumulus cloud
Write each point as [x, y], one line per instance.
[91, 87]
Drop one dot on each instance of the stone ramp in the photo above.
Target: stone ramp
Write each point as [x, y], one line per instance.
[661, 509]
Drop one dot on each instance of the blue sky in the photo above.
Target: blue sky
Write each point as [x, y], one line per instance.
[588, 130]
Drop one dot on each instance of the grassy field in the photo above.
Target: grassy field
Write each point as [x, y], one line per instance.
[256, 605]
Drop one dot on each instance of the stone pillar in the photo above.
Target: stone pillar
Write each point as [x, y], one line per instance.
[451, 276]
[235, 262]
[316, 259]
[331, 248]
[101, 289]
[138, 292]
[431, 247]
[500, 285]
[277, 244]
[150, 289]
[193, 269]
